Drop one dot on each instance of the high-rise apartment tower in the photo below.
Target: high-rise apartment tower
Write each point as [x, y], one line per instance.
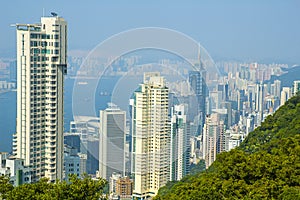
[150, 136]
[41, 66]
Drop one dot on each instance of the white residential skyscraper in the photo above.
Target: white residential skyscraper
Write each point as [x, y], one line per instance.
[286, 93]
[212, 134]
[150, 136]
[112, 141]
[296, 87]
[41, 65]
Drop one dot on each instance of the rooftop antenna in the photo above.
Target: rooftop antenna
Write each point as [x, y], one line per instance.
[199, 53]
[43, 12]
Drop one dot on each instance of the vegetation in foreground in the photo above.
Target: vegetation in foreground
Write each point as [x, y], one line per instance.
[265, 166]
[80, 189]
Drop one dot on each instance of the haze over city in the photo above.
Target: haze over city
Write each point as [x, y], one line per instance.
[149, 100]
[265, 31]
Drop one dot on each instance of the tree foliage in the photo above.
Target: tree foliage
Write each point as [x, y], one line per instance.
[265, 166]
[77, 189]
[5, 186]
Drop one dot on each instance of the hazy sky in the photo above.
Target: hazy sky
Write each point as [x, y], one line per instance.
[245, 30]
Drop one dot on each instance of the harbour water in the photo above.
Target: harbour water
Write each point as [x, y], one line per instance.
[8, 109]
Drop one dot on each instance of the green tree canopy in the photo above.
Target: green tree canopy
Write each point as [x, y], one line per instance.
[78, 189]
[265, 166]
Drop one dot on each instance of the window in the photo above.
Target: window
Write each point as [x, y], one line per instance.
[54, 59]
[34, 35]
[44, 43]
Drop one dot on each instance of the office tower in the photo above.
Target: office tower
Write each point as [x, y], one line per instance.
[260, 101]
[239, 100]
[74, 162]
[87, 128]
[244, 72]
[260, 94]
[112, 141]
[285, 95]
[92, 163]
[198, 87]
[81, 128]
[296, 87]
[215, 99]
[71, 162]
[228, 120]
[150, 136]
[180, 147]
[73, 140]
[251, 97]
[277, 88]
[41, 66]
[223, 88]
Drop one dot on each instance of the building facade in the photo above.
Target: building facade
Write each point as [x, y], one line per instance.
[285, 95]
[180, 144]
[112, 141]
[15, 169]
[150, 136]
[41, 66]
[197, 81]
[198, 87]
[296, 87]
[213, 138]
[71, 162]
[124, 187]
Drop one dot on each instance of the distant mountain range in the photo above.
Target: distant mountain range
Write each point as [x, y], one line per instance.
[289, 77]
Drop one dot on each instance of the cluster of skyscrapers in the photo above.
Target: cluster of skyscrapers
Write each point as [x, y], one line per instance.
[165, 134]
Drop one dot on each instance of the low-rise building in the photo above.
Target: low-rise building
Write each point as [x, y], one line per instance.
[15, 169]
[124, 187]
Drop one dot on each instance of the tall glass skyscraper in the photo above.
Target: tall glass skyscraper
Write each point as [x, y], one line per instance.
[198, 86]
[180, 143]
[112, 141]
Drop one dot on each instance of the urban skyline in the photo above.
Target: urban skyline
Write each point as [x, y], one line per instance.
[144, 108]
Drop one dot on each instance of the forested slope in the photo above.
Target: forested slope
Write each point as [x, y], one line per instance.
[265, 166]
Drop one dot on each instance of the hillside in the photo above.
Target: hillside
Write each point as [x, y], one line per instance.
[265, 166]
[288, 77]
